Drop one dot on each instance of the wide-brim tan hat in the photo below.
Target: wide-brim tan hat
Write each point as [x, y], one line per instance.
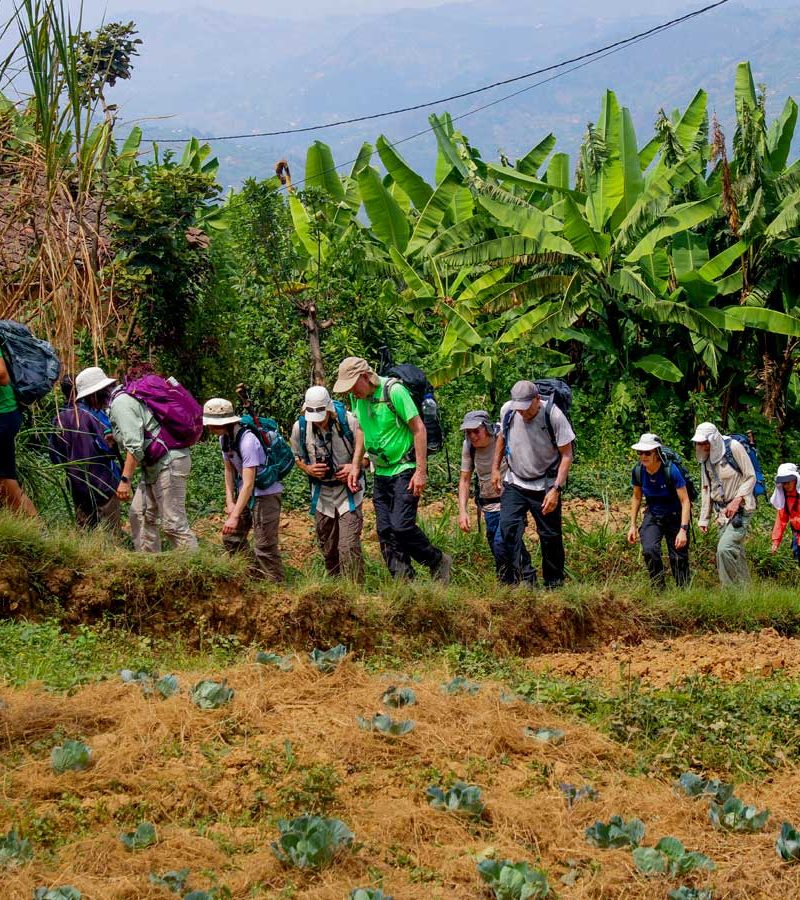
[647, 442]
[90, 381]
[218, 411]
[350, 370]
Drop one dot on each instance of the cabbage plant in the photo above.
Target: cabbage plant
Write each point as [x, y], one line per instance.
[174, 880]
[670, 857]
[211, 694]
[143, 837]
[788, 843]
[327, 660]
[65, 892]
[514, 881]
[71, 756]
[284, 663]
[369, 894]
[545, 735]
[694, 786]
[14, 849]
[615, 833]
[311, 842]
[684, 892]
[575, 794]
[461, 799]
[460, 685]
[384, 724]
[735, 815]
[397, 697]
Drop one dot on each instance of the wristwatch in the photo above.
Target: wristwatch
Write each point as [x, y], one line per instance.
[684, 527]
[557, 487]
[124, 479]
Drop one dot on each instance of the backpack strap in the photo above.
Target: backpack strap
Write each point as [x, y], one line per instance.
[637, 476]
[303, 422]
[345, 431]
[547, 410]
[730, 459]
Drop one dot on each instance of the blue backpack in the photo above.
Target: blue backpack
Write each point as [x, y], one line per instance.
[760, 489]
[32, 363]
[280, 459]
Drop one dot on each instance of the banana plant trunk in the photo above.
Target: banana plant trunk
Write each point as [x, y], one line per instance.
[312, 325]
[776, 374]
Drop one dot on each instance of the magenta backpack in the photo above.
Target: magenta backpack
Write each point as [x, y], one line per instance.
[174, 408]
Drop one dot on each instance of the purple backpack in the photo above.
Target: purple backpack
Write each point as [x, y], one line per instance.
[176, 411]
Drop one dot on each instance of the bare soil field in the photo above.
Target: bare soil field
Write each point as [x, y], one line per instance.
[215, 782]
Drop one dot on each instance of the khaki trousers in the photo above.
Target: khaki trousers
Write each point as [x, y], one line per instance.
[731, 561]
[339, 539]
[265, 520]
[163, 503]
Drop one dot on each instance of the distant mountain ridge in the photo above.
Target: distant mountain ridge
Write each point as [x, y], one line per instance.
[213, 73]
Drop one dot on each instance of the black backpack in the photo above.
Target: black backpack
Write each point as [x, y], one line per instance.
[553, 392]
[32, 363]
[421, 390]
[669, 457]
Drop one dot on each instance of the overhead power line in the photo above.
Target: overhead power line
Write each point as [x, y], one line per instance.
[589, 56]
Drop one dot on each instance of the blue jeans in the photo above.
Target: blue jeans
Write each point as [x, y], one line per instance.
[494, 538]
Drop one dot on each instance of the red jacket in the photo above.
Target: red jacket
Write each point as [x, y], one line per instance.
[789, 515]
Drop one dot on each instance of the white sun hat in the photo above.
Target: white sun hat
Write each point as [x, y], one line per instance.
[317, 403]
[90, 381]
[647, 442]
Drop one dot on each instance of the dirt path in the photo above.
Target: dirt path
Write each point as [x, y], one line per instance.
[728, 656]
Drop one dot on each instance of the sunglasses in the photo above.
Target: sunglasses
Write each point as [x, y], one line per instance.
[316, 409]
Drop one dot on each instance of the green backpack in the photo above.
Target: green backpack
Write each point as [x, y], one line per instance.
[280, 458]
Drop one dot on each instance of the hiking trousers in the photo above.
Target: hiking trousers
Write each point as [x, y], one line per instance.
[163, 501]
[515, 504]
[339, 539]
[400, 537]
[265, 520]
[494, 538]
[731, 561]
[654, 530]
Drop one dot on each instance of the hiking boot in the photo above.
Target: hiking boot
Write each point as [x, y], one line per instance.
[441, 571]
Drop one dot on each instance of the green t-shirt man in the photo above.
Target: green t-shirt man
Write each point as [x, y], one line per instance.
[387, 437]
[8, 402]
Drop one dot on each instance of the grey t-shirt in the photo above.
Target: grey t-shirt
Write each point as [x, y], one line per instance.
[530, 452]
[483, 467]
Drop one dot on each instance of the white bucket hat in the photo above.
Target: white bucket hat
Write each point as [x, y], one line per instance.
[647, 442]
[90, 381]
[317, 404]
[218, 411]
[786, 472]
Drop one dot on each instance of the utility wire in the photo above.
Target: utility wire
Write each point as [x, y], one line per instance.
[477, 109]
[598, 53]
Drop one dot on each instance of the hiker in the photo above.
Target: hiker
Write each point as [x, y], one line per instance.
[477, 455]
[328, 445]
[728, 479]
[786, 500]
[82, 441]
[11, 494]
[536, 442]
[396, 441]
[247, 506]
[161, 494]
[668, 511]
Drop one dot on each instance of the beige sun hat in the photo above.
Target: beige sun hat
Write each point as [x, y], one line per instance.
[218, 411]
[90, 381]
[350, 370]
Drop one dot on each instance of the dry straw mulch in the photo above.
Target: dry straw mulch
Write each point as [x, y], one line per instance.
[214, 782]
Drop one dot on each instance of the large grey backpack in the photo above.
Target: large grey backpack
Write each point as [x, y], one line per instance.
[32, 363]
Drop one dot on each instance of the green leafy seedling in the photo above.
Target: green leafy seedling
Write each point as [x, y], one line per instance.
[694, 786]
[397, 697]
[670, 857]
[575, 794]
[14, 849]
[131, 676]
[65, 892]
[71, 756]
[211, 694]
[143, 837]
[174, 881]
[369, 894]
[327, 660]
[545, 735]
[735, 815]
[461, 799]
[384, 724]
[311, 842]
[788, 844]
[615, 833]
[284, 663]
[689, 893]
[460, 685]
[514, 881]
